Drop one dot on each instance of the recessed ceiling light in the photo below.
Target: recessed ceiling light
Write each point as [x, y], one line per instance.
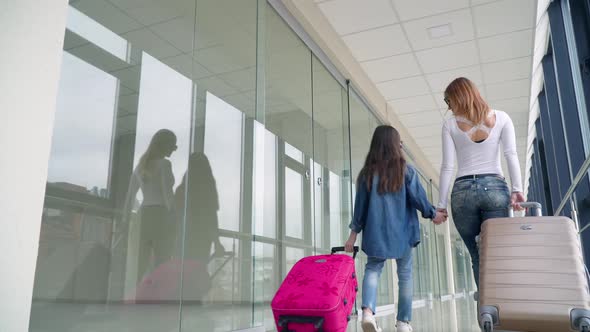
[440, 31]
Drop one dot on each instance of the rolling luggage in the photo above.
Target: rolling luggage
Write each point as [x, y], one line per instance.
[318, 294]
[532, 275]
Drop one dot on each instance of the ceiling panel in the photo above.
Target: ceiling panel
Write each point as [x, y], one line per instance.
[496, 72]
[506, 46]
[348, 16]
[395, 67]
[149, 12]
[152, 44]
[407, 87]
[458, 23]
[412, 9]
[178, 32]
[511, 105]
[504, 16]
[509, 89]
[107, 15]
[480, 2]
[413, 104]
[420, 119]
[448, 57]
[185, 65]
[414, 48]
[439, 81]
[378, 43]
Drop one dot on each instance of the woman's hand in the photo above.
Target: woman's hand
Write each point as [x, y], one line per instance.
[440, 217]
[349, 245]
[515, 199]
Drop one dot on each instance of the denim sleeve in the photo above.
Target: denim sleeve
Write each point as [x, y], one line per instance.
[417, 195]
[361, 205]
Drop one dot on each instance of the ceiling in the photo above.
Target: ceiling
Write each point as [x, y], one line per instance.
[411, 50]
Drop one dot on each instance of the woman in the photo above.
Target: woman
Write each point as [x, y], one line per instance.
[475, 134]
[153, 175]
[388, 194]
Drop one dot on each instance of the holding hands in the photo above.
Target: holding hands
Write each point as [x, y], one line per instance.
[440, 217]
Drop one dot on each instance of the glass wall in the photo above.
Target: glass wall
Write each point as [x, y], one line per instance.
[563, 119]
[200, 149]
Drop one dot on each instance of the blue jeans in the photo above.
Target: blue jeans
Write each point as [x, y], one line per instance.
[406, 288]
[474, 201]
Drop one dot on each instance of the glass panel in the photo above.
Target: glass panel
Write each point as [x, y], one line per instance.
[221, 196]
[292, 256]
[288, 87]
[111, 231]
[293, 203]
[83, 87]
[331, 156]
[265, 181]
[223, 147]
[293, 152]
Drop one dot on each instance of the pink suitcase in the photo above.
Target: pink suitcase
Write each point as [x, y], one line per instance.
[532, 275]
[318, 294]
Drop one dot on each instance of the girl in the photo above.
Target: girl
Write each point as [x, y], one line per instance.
[475, 134]
[388, 195]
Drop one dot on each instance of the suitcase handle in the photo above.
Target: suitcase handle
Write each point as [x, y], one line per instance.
[317, 322]
[337, 249]
[534, 205]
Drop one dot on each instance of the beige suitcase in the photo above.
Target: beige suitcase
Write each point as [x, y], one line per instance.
[532, 275]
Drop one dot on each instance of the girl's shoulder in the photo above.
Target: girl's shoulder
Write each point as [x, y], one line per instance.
[409, 172]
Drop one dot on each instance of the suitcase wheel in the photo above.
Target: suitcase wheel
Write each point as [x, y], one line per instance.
[348, 318]
[487, 327]
[356, 288]
[353, 275]
[345, 301]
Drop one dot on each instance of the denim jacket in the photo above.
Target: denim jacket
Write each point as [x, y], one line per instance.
[389, 222]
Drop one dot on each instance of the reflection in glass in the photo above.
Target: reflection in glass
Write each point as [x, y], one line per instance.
[81, 145]
[293, 152]
[96, 33]
[153, 176]
[265, 181]
[292, 255]
[223, 145]
[293, 203]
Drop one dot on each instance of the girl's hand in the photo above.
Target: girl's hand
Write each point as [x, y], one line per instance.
[349, 245]
[440, 217]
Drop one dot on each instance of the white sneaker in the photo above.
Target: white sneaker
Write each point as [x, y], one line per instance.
[403, 327]
[369, 324]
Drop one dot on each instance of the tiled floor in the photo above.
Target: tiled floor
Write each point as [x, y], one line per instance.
[64, 317]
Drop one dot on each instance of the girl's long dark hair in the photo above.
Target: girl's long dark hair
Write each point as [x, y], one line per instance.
[386, 160]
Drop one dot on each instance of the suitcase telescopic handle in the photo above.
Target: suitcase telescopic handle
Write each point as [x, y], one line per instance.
[527, 205]
[337, 249]
[317, 322]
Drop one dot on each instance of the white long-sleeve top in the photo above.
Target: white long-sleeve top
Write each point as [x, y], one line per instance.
[157, 189]
[478, 158]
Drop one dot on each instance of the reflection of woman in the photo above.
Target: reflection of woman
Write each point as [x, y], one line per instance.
[202, 204]
[154, 177]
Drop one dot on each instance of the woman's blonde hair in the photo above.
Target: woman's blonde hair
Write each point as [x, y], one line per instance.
[466, 100]
[161, 141]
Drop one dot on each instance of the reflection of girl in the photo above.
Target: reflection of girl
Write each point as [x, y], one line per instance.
[154, 177]
[202, 204]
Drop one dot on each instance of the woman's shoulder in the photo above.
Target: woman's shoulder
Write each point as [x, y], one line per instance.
[449, 122]
[502, 117]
